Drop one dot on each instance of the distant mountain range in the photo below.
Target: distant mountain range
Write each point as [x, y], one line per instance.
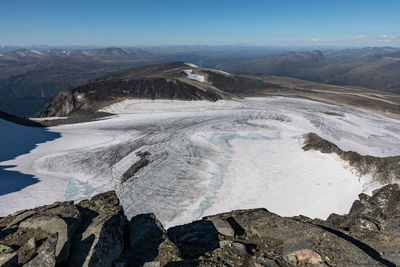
[29, 77]
[376, 68]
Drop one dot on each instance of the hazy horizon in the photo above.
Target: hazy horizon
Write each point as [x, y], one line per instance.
[94, 46]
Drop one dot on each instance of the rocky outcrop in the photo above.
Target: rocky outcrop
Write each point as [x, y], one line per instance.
[140, 164]
[95, 232]
[383, 169]
[148, 242]
[89, 233]
[162, 81]
[46, 254]
[375, 221]
[60, 105]
[101, 239]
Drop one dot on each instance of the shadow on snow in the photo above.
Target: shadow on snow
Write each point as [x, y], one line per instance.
[16, 140]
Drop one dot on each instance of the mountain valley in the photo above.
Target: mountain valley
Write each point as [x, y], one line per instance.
[183, 143]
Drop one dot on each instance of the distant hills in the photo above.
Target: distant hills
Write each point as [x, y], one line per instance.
[185, 81]
[45, 73]
[30, 77]
[160, 81]
[376, 68]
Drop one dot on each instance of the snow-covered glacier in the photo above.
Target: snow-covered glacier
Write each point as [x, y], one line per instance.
[206, 157]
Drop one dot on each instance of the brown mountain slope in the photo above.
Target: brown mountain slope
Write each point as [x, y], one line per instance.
[168, 81]
[162, 81]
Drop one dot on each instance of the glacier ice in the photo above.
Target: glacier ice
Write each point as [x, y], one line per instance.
[208, 157]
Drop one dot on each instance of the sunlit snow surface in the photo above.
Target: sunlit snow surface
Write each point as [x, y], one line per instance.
[196, 77]
[209, 157]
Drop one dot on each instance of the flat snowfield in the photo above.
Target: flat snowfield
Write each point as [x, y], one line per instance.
[206, 157]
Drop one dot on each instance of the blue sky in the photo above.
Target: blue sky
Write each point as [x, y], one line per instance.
[194, 22]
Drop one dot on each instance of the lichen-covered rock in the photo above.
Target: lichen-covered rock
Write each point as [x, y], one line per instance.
[52, 224]
[100, 240]
[98, 234]
[304, 256]
[194, 239]
[375, 221]
[222, 226]
[24, 228]
[259, 233]
[5, 249]
[8, 259]
[90, 233]
[46, 255]
[149, 244]
[152, 264]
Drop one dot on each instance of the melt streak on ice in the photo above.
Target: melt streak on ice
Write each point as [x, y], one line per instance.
[207, 157]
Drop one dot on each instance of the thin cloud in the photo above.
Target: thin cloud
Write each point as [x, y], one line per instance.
[385, 36]
[360, 37]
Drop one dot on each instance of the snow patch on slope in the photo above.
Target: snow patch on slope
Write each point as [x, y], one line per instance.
[222, 72]
[48, 118]
[191, 65]
[196, 77]
[36, 52]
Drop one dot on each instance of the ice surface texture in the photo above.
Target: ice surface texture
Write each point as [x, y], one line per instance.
[209, 157]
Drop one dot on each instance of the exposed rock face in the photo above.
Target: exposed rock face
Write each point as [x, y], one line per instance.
[98, 234]
[39, 223]
[67, 102]
[375, 221]
[149, 244]
[261, 235]
[101, 240]
[162, 81]
[88, 233]
[141, 163]
[46, 254]
[383, 169]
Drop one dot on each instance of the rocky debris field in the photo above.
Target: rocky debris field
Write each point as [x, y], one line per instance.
[96, 232]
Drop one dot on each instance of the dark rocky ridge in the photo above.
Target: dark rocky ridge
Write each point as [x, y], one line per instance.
[383, 169]
[162, 81]
[96, 232]
[18, 120]
[166, 81]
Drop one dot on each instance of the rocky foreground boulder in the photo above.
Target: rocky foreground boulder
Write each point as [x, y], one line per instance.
[96, 232]
[89, 233]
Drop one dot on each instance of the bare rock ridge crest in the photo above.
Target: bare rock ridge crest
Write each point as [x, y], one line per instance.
[161, 81]
[383, 169]
[96, 232]
[183, 81]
